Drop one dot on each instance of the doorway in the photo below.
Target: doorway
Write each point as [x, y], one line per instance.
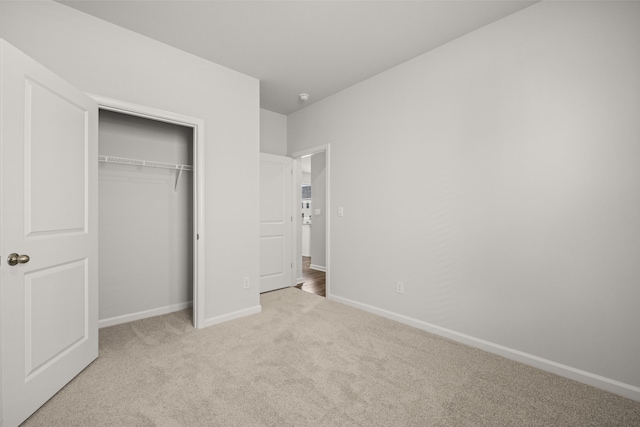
[313, 220]
[186, 183]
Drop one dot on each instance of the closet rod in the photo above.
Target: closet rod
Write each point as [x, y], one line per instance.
[149, 163]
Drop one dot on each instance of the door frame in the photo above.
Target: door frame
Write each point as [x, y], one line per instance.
[297, 182]
[197, 125]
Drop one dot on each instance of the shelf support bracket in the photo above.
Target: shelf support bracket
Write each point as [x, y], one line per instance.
[175, 189]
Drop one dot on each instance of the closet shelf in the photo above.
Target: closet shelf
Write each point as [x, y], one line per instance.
[149, 163]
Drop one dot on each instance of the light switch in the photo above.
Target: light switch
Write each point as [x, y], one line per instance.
[317, 212]
[341, 211]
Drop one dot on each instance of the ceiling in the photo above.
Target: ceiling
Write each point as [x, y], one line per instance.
[315, 47]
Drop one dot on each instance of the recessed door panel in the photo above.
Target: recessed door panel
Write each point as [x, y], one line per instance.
[55, 162]
[56, 313]
[272, 260]
[272, 188]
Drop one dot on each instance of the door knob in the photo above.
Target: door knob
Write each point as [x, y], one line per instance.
[14, 259]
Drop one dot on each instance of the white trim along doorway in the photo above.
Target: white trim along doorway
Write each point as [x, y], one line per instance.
[297, 200]
[198, 188]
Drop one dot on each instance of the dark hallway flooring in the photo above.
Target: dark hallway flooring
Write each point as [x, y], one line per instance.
[314, 281]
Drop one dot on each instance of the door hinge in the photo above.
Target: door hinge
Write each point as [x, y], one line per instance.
[291, 265]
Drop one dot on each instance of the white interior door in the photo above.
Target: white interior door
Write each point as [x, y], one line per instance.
[276, 222]
[48, 190]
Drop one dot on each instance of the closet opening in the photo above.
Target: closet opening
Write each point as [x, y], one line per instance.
[149, 215]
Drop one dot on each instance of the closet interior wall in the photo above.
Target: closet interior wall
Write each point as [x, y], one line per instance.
[145, 219]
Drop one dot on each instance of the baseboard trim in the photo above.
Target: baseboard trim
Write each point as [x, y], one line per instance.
[318, 267]
[299, 280]
[112, 321]
[598, 381]
[232, 316]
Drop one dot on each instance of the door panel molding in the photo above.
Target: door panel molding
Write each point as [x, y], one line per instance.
[44, 204]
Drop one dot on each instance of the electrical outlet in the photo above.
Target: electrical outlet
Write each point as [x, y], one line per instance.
[246, 283]
[400, 287]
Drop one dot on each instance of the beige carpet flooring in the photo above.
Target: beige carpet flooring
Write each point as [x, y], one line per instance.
[307, 361]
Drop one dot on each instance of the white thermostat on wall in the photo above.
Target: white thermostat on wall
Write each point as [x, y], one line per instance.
[317, 212]
[341, 211]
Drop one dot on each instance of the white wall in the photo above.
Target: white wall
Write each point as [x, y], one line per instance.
[497, 176]
[107, 60]
[273, 133]
[146, 224]
[306, 178]
[306, 240]
[318, 201]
